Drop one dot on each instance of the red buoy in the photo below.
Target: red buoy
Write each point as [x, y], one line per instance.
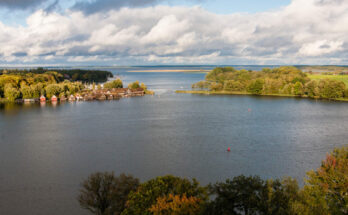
[249, 109]
[228, 149]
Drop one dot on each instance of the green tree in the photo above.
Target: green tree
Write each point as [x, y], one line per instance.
[298, 89]
[52, 90]
[106, 194]
[331, 89]
[114, 84]
[256, 86]
[147, 194]
[11, 93]
[26, 91]
[134, 85]
[216, 86]
[253, 196]
[37, 90]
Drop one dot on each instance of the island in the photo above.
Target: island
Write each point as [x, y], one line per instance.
[287, 81]
[60, 85]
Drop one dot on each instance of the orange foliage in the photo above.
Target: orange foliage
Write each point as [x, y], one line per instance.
[176, 205]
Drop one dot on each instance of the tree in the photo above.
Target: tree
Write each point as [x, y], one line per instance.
[242, 195]
[134, 85]
[256, 86]
[279, 196]
[106, 194]
[26, 91]
[52, 90]
[11, 93]
[216, 86]
[114, 84]
[37, 90]
[298, 88]
[147, 194]
[326, 190]
[177, 205]
[252, 195]
[331, 89]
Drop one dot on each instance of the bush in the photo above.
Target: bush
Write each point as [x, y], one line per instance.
[113, 84]
[134, 85]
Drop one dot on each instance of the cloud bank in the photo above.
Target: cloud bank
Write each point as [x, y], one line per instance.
[20, 4]
[305, 32]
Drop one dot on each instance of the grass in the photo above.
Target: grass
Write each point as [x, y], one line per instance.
[343, 78]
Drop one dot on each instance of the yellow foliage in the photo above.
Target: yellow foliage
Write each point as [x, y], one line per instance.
[176, 205]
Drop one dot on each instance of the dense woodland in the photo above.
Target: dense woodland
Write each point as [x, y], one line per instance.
[27, 84]
[325, 193]
[278, 81]
[86, 76]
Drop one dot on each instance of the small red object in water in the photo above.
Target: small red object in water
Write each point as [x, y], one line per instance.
[249, 109]
[228, 149]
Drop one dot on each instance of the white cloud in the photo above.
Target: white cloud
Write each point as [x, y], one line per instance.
[306, 31]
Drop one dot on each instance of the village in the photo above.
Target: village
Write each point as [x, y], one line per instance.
[99, 94]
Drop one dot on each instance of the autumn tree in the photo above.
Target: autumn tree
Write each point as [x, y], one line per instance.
[134, 85]
[177, 205]
[114, 84]
[11, 93]
[146, 196]
[326, 190]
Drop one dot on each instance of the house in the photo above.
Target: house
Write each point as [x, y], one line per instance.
[54, 98]
[42, 99]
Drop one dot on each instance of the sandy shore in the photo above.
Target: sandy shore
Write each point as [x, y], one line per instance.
[170, 70]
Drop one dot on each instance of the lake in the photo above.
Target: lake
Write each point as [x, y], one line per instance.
[46, 151]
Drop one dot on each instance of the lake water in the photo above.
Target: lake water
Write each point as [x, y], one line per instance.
[46, 151]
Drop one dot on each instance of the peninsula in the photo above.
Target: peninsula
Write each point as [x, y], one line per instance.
[284, 81]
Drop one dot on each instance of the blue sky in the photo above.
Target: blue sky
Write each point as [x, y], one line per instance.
[233, 6]
[147, 32]
[17, 16]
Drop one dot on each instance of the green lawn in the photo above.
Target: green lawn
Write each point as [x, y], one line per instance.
[343, 78]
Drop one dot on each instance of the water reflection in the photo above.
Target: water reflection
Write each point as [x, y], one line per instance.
[47, 149]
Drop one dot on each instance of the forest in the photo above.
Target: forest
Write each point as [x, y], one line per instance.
[325, 193]
[282, 81]
[86, 76]
[27, 84]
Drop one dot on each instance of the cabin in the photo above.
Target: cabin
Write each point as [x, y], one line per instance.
[42, 98]
[54, 98]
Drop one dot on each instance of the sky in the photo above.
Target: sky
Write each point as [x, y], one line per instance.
[167, 32]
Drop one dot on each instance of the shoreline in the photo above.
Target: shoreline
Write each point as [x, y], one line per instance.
[172, 70]
[206, 92]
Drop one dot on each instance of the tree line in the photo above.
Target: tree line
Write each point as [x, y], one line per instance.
[284, 80]
[30, 85]
[325, 193]
[86, 76]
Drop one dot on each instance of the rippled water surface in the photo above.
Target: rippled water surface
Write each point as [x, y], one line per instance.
[46, 151]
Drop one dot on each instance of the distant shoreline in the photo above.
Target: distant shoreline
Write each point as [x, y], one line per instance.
[172, 70]
[206, 92]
